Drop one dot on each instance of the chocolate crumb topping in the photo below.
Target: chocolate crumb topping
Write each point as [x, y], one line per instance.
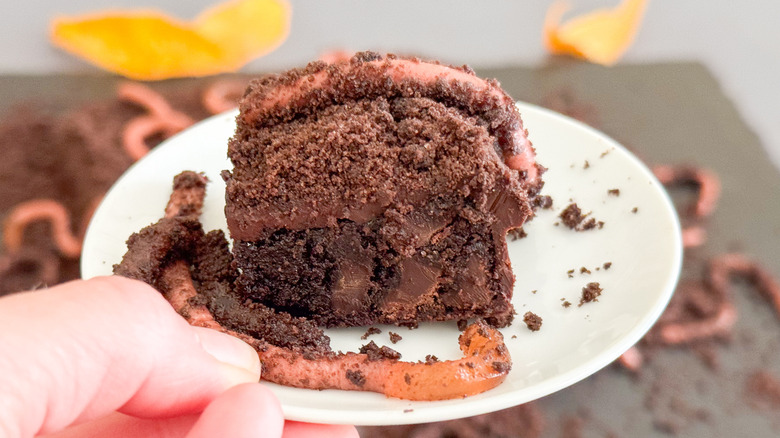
[356, 377]
[394, 337]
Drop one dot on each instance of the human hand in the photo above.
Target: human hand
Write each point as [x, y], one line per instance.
[110, 357]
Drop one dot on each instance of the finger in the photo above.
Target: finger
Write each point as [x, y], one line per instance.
[295, 429]
[116, 425]
[245, 411]
[83, 349]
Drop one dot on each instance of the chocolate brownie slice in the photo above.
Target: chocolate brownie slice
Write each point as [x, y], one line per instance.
[378, 190]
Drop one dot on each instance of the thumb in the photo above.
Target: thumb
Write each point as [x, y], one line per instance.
[80, 350]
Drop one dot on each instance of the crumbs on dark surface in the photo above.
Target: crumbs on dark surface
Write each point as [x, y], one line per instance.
[590, 293]
[394, 337]
[613, 192]
[573, 218]
[544, 202]
[371, 331]
[517, 233]
[533, 321]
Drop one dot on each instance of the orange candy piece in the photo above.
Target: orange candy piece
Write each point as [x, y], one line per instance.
[148, 45]
[601, 36]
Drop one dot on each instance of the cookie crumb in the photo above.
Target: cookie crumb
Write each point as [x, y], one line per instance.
[566, 304]
[394, 337]
[590, 293]
[533, 321]
[607, 265]
[544, 202]
[370, 331]
[634, 210]
[517, 233]
[573, 218]
[584, 270]
[613, 192]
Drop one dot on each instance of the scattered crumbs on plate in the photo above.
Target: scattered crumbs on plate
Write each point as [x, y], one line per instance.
[590, 293]
[605, 153]
[586, 165]
[573, 218]
[544, 202]
[517, 233]
[371, 331]
[514, 336]
[534, 291]
[607, 265]
[394, 337]
[635, 209]
[570, 273]
[407, 410]
[613, 192]
[584, 270]
[566, 303]
[533, 321]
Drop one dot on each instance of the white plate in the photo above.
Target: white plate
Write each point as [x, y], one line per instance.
[644, 248]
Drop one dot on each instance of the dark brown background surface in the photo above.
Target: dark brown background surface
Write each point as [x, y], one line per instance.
[667, 114]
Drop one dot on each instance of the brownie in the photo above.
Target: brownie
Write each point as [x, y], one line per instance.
[371, 192]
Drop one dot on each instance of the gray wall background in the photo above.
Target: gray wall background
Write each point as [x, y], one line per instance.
[738, 41]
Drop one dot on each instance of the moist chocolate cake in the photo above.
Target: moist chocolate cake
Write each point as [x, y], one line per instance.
[378, 190]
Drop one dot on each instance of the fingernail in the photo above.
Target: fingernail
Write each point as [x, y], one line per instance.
[231, 351]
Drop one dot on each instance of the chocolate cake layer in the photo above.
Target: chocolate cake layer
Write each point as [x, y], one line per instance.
[372, 191]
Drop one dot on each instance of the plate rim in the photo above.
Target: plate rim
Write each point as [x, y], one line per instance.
[448, 410]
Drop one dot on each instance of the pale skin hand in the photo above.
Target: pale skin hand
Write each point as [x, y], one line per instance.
[110, 357]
